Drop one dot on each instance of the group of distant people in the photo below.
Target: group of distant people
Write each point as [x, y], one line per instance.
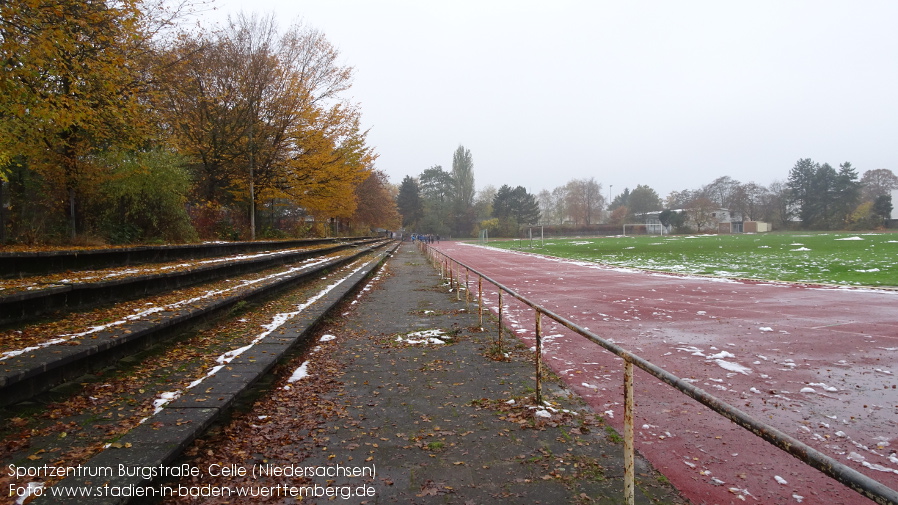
[427, 239]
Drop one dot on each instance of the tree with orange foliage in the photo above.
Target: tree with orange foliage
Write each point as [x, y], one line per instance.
[376, 205]
[260, 113]
[72, 88]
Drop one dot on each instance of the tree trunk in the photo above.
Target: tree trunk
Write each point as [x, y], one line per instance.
[3, 210]
[72, 212]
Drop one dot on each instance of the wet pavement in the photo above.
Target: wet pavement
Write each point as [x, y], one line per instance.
[420, 402]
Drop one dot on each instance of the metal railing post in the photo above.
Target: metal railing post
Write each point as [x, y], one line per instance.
[629, 442]
[480, 298]
[467, 290]
[500, 319]
[539, 358]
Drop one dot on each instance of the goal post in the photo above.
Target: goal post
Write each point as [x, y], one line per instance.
[541, 237]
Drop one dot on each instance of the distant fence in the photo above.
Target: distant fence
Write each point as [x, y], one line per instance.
[460, 274]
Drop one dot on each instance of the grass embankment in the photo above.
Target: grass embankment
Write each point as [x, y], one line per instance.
[858, 259]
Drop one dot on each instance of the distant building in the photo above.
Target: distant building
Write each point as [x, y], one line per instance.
[718, 221]
[894, 204]
[715, 218]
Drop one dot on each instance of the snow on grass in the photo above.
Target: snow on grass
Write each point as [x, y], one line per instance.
[767, 257]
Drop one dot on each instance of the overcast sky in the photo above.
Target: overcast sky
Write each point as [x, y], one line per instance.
[671, 94]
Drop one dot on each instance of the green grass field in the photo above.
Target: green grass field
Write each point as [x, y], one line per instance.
[860, 259]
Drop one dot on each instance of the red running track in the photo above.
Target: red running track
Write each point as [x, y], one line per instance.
[820, 364]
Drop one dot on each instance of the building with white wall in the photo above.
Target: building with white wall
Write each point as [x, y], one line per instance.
[894, 204]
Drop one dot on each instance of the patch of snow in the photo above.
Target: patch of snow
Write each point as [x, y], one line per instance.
[32, 488]
[164, 399]
[326, 338]
[695, 351]
[300, 373]
[780, 480]
[733, 367]
[424, 337]
[850, 238]
[853, 456]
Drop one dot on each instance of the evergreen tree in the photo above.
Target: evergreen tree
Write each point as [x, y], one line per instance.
[823, 197]
[643, 200]
[801, 190]
[846, 192]
[515, 205]
[882, 208]
[408, 201]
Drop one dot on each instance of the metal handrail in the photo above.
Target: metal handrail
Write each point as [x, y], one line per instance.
[873, 489]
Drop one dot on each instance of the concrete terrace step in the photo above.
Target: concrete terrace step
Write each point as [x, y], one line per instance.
[161, 438]
[24, 305]
[38, 370]
[18, 264]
